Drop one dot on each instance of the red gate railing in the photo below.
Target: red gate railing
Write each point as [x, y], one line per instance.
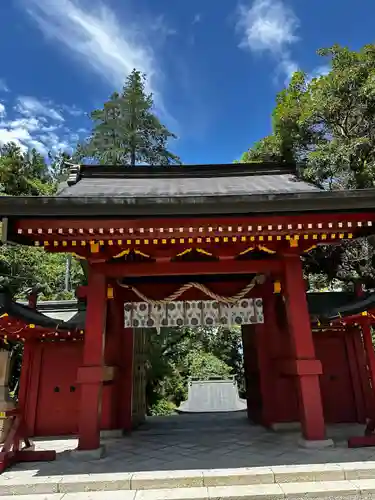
[17, 446]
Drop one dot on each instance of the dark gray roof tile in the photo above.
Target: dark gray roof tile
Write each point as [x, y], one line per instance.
[143, 191]
[172, 183]
[144, 188]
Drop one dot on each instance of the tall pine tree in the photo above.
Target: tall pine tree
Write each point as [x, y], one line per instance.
[126, 131]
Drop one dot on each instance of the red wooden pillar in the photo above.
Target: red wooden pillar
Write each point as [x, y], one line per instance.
[29, 382]
[127, 379]
[113, 356]
[25, 376]
[304, 366]
[369, 348]
[265, 342]
[362, 364]
[248, 361]
[90, 375]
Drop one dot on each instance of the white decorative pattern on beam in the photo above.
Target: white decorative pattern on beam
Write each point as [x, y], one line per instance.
[193, 313]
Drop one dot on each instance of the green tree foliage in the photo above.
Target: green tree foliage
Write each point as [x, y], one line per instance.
[24, 173]
[326, 126]
[126, 130]
[176, 354]
[21, 268]
[267, 149]
[204, 365]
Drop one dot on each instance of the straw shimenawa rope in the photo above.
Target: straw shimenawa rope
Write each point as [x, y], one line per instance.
[214, 296]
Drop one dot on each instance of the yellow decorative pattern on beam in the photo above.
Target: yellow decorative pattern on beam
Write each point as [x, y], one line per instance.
[186, 251]
[121, 254]
[314, 238]
[293, 242]
[244, 252]
[76, 256]
[110, 292]
[138, 252]
[309, 249]
[94, 247]
[204, 252]
[265, 249]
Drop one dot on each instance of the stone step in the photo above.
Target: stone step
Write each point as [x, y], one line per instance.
[353, 490]
[23, 482]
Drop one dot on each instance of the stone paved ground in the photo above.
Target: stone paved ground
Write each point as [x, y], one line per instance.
[197, 442]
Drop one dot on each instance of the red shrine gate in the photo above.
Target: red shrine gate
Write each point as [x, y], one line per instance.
[136, 226]
[53, 399]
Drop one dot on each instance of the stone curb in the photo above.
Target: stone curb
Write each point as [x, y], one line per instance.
[348, 490]
[21, 483]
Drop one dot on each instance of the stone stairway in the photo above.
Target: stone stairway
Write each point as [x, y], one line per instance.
[212, 396]
[352, 480]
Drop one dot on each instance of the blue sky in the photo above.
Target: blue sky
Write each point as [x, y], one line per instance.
[214, 66]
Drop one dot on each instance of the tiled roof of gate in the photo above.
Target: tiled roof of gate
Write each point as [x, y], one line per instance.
[142, 182]
[112, 192]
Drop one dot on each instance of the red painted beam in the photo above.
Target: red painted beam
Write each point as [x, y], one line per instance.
[187, 268]
[194, 221]
[217, 250]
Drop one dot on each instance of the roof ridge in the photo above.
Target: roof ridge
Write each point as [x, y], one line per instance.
[74, 174]
[78, 172]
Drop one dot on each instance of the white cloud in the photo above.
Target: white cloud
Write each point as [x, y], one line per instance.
[269, 26]
[97, 38]
[197, 18]
[317, 72]
[320, 71]
[72, 110]
[287, 67]
[31, 124]
[3, 86]
[30, 106]
[13, 135]
[37, 125]
[160, 26]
